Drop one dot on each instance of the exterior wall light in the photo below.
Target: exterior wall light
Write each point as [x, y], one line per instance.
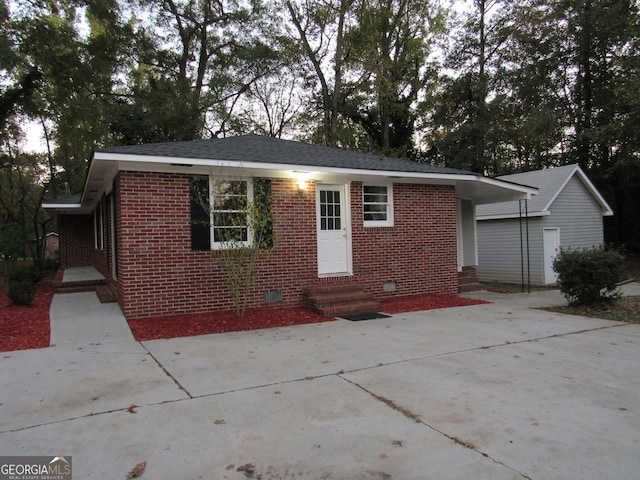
[302, 179]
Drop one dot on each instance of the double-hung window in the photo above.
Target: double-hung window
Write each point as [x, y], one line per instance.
[220, 212]
[377, 205]
[229, 201]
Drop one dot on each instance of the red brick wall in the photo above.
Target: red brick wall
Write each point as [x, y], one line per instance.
[160, 275]
[419, 252]
[76, 240]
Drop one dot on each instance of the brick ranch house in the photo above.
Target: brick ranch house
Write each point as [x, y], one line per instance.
[344, 221]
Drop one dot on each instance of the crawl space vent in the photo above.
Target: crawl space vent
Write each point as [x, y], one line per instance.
[273, 297]
[389, 286]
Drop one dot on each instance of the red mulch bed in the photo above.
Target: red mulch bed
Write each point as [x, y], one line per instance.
[219, 322]
[24, 327]
[417, 303]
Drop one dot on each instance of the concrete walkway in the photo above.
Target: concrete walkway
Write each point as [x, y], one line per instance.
[498, 391]
[81, 274]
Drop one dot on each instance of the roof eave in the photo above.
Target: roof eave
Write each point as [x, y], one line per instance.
[137, 161]
[104, 166]
[68, 208]
[508, 216]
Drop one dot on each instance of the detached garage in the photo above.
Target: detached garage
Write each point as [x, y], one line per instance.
[518, 241]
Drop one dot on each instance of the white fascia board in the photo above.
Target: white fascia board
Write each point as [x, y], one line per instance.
[200, 165]
[56, 206]
[529, 191]
[182, 161]
[564, 184]
[606, 209]
[506, 216]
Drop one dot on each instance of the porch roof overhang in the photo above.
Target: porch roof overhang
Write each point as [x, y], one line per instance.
[105, 166]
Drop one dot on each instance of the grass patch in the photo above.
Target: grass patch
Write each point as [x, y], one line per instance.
[626, 309]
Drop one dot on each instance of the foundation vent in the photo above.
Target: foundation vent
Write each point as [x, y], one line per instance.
[273, 297]
[389, 286]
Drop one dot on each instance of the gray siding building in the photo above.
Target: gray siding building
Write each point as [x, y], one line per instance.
[518, 241]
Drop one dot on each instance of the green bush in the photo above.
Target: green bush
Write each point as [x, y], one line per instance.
[31, 274]
[589, 276]
[21, 292]
[21, 284]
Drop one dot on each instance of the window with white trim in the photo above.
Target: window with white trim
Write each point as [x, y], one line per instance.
[219, 212]
[229, 200]
[377, 205]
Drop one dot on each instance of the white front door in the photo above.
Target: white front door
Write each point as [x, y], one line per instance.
[334, 242]
[551, 237]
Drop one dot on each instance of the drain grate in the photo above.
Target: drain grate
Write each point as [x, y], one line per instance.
[364, 316]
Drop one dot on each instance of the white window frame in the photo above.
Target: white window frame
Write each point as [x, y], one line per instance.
[212, 182]
[379, 223]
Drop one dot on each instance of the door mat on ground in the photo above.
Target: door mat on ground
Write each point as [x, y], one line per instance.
[364, 316]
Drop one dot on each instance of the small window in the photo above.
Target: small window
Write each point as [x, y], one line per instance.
[377, 205]
[330, 216]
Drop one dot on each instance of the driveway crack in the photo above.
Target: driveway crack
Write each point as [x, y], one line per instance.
[167, 372]
[416, 418]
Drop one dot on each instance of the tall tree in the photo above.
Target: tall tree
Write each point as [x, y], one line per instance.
[77, 47]
[463, 116]
[21, 194]
[389, 45]
[320, 29]
[273, 107]
[198, 58]
[533, 81]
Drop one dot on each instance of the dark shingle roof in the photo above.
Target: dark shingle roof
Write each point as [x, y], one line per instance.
[256, 148]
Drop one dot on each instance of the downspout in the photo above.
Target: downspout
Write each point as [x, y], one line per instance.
[526, 219]
[521, 247]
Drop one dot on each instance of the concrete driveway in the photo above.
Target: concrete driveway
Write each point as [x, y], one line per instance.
[498, 391]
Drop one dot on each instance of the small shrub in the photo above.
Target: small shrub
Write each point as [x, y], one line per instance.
[589, 276]
[31, 274]
[21, 284]
[21, 292]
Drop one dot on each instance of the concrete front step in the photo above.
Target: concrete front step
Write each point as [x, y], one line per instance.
[348, 309]
[468, 280]
[469, 287]
[106, 294]
[468, 284]
[75, 287]
[339, 300]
